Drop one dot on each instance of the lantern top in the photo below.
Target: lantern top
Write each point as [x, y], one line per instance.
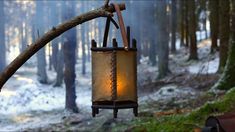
[111, 49]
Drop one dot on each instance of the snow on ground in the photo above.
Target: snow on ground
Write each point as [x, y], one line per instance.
[24, 101]
[31, 97]
[207, 63]
[24, 95]
[146, 73]
[205, 68]
[168, 93]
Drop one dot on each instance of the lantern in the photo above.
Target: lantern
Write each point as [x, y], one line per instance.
[114, 72]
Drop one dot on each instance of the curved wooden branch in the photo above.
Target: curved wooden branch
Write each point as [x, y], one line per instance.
[106, 3]
[103, 11]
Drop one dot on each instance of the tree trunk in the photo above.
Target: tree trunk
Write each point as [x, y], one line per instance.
[101, 30]
[204, 27]
[152, 43]
[182, 23]
[214, 23]
[85, 38]
[163, 49]
[2, 37]
[59, 67]
[137, 29]
[203, 7]
[54, 55]
[89, 50]
[57, 52]
[204, 21]
[173, 25]
[69, 49]
[152, 52]
[23, 38]
[186, 23]
[41, 66]
[227, 79]
[41, 55]
[192, 30]
[83, 50]
[224, 27]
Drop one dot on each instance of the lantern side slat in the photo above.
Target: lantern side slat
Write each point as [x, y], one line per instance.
[101, 81]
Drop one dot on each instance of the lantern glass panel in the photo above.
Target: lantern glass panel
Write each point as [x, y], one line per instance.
[126, 76]
[101, 72]
[102, 76]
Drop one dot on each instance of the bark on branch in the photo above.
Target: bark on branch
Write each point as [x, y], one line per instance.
[103, 11]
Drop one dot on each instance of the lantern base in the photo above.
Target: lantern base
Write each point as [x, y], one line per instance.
[115, 105]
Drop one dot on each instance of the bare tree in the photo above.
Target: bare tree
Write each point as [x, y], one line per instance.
[227, 80]
[2, 37]
[214, 23]
[84, 28]
[163, 46]
[192, 30]
[69, 49]
[186, 12]
[173, 25]
[182, 22]
[41, 55]
[224, 20]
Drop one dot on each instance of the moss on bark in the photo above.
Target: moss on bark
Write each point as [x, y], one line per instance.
[227, 79]
[186, 122]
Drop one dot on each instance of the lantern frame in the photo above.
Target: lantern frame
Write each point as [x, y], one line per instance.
[113, 102]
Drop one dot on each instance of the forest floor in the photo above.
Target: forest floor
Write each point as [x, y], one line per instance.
[37, 107]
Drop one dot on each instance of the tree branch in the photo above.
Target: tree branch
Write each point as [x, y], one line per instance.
[50, 35]
[106, 3]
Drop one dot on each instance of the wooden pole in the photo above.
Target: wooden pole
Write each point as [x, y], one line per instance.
[104, 11]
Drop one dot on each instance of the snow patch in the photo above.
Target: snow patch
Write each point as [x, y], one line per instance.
[170, 92]
[205, 68]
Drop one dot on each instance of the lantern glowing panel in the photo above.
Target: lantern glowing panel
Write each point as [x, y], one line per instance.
[102, 76]
[126, 76]
[101, 72]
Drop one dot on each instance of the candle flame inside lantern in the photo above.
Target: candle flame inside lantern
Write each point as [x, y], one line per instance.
[120, 86]
[126, 76]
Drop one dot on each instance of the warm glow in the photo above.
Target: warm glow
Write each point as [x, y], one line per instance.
[28, 80]
[21, 118]
[204, 43]
[7, 93]
[120, 86]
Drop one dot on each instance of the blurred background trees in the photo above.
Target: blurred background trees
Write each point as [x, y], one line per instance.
[157, 25]
[2, 37]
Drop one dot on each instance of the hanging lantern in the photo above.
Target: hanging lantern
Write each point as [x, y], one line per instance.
[114, 72]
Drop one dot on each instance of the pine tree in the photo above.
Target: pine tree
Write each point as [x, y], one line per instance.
[163, 46]
[84, 36]
[192, 30]
[173, 25]
[2, 36]
[182, 22]
[224, 20]
[227, 79]
[41, 55]
[214, 23]
[69, 49]
[186, 12]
